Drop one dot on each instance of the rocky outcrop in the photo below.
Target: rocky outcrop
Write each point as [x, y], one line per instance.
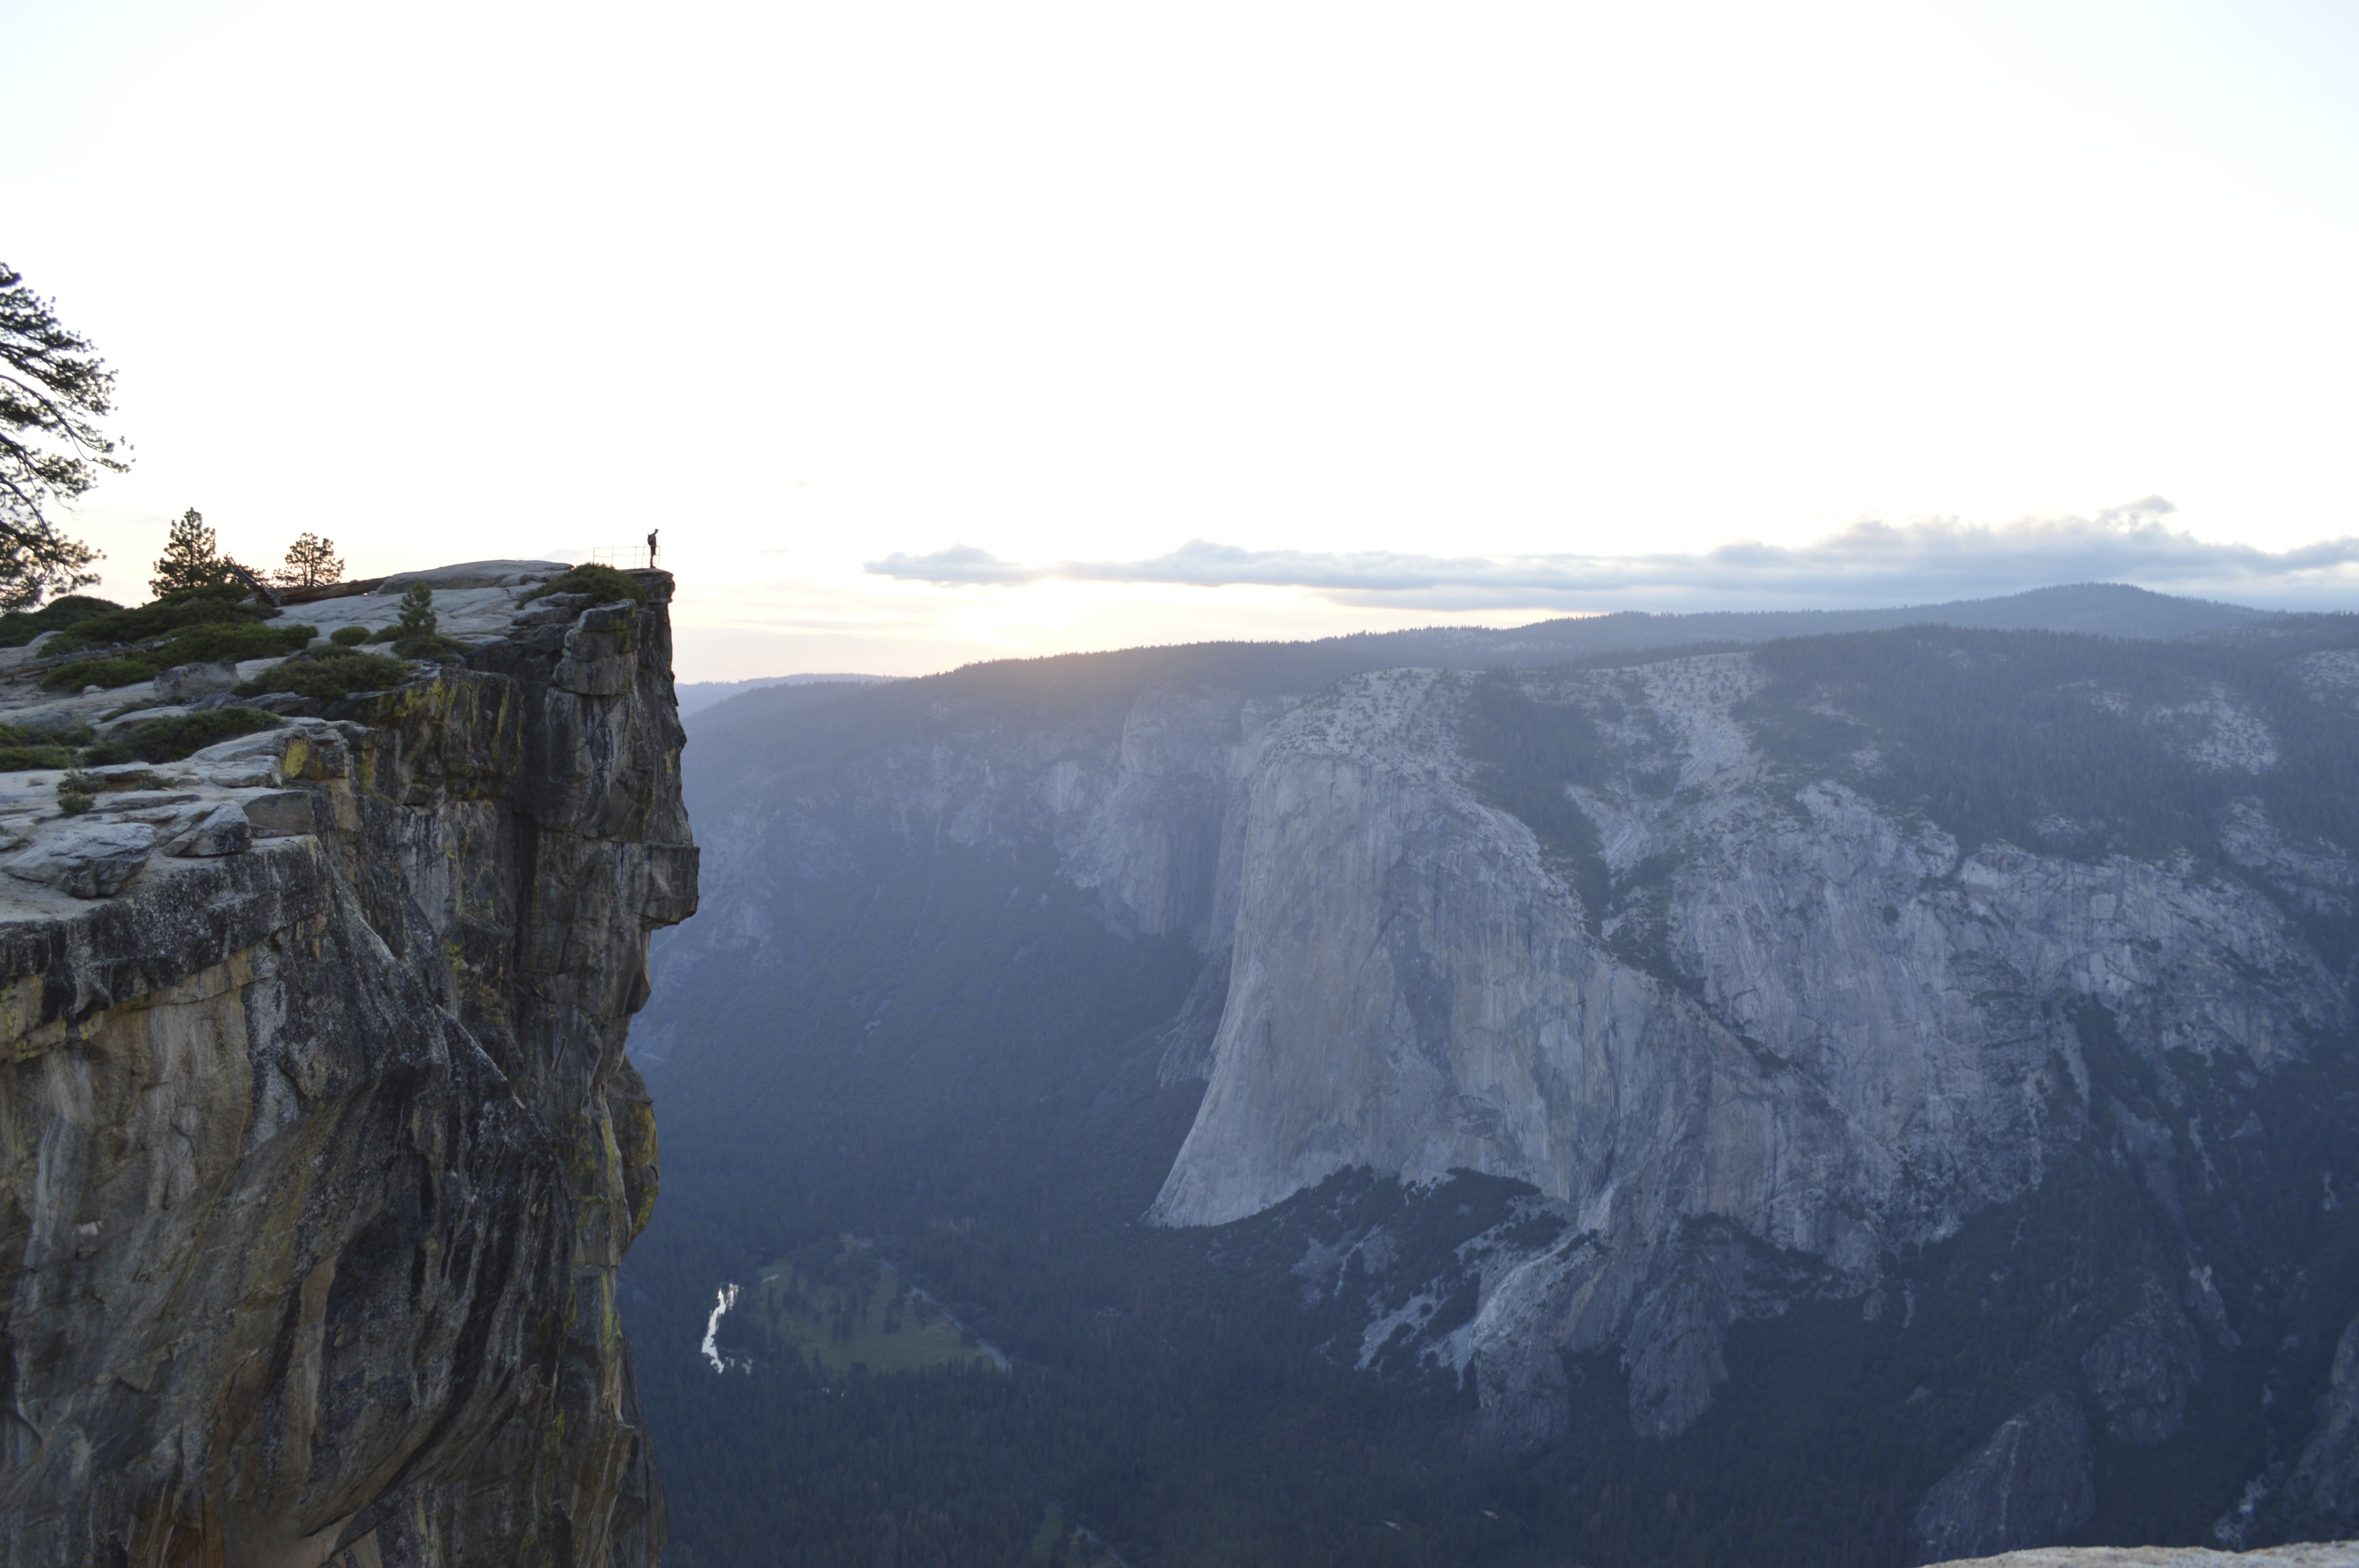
[2028, 1486]
[318, 1148]
[2323, 1490]
[186, 682]
[2139, 1372]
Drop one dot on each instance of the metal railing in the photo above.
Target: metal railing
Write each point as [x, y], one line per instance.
[622, 557]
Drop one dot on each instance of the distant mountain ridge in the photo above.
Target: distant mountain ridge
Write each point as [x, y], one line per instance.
[695, 696]
[2106, 609]
[2100, 608]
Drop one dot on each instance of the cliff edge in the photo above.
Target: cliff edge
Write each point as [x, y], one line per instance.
[2311, 1554]
[318, 1149]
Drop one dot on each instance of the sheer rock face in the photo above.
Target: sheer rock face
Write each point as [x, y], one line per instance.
[1827, 1028]
[1855, 1006]
[2028, 1486]
[2324, 1491]
[318, 1149]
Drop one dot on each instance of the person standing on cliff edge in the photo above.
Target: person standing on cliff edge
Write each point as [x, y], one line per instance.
[651, 545]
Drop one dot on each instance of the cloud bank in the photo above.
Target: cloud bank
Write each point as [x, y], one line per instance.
[1867, 562]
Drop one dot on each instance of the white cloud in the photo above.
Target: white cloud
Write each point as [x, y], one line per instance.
[1868, 561]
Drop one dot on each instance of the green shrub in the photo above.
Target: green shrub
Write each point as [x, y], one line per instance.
[204, 642]
[234, 640]
[19, 627]
[107, 672]
[77, 792]
[165, 616]
[607, 584]
[24, 759]
[382, 634]
[24, 735]
[328, 675]
[169, 739]
[349, 636]
[428, 647]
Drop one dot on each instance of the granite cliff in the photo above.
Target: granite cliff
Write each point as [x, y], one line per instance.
[1990, 991]
[1798, 1011]
[318, 1148]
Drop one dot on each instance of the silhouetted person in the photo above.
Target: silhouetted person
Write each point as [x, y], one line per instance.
[651, 544]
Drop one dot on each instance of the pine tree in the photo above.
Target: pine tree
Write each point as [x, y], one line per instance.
[417, 619]
[189, 559]
[53, 389]
[310, 561]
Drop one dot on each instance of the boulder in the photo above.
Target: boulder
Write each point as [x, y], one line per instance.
[186, 682]
[282, 814]
[88, 859]
[224, 830]
[601, 652]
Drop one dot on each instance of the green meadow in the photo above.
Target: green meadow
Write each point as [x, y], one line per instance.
[1061, 1543]
[845, 1306]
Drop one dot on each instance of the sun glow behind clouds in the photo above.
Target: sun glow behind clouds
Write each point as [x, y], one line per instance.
[1083, 283]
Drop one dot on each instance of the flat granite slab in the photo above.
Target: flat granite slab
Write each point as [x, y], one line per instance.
[223, 799]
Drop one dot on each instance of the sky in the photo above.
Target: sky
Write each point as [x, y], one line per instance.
[928, 333]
